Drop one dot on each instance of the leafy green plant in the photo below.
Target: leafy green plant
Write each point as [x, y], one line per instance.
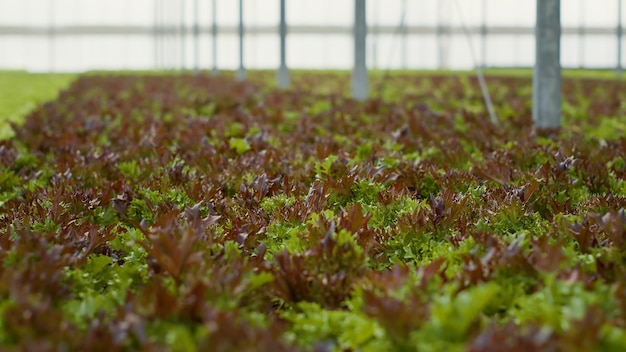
[161, 212]
[334, 329]
[240, 145]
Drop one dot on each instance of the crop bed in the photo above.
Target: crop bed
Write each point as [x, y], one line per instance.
[184, 213]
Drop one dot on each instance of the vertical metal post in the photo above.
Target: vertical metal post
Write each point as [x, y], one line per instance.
[165, 37]
[405, 51]
[376, 35]
[196, 38]
[547, 73]
[360, 84]
[241, 73]
[483, 36]
[443, 32]
[173, 32]
[581, 35]
[155, 33]
[283, 72]
[183, 32]
[214, 71]
[51, 39]
[159, 34]
[174, 29]
[167, 42]
[620, 31]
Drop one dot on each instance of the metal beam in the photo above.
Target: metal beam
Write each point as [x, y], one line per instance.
[376, 36]
[241, 73]
[444, 31]
[52, 38]
[581, 35]
[483, 35]
[620, 31]
[156, 34]
[294, 29]
[283, 72]
[360, 84]
[405, 40]
[183, 32]
[214, 71]
[169, 51]
[196, 37]
[547, 74]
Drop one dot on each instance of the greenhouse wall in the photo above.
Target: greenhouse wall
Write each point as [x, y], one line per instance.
[79, 35]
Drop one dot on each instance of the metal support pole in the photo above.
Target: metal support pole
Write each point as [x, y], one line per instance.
[360, 85]
[183, 30]
[581, 35]
[443, 33]
[620, 31]
[405, 50]
[168, 49]
[547, 73]
[156, 34]
[196, 38]
[167, 34]
[52, 39]
[283, 72]
[483, 36]
[214, 71]
[376, 35]
[241, 73]
[160, 20]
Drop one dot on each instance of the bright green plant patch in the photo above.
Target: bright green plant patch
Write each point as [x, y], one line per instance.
[21, 92]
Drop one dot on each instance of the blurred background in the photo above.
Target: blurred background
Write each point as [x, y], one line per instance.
[81, 35]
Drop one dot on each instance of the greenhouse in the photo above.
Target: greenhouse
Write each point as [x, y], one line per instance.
[290, 175]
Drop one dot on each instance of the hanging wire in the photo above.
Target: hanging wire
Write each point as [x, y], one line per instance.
[479, 71]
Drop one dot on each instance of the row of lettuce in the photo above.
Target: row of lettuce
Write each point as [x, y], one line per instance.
[198, 213]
